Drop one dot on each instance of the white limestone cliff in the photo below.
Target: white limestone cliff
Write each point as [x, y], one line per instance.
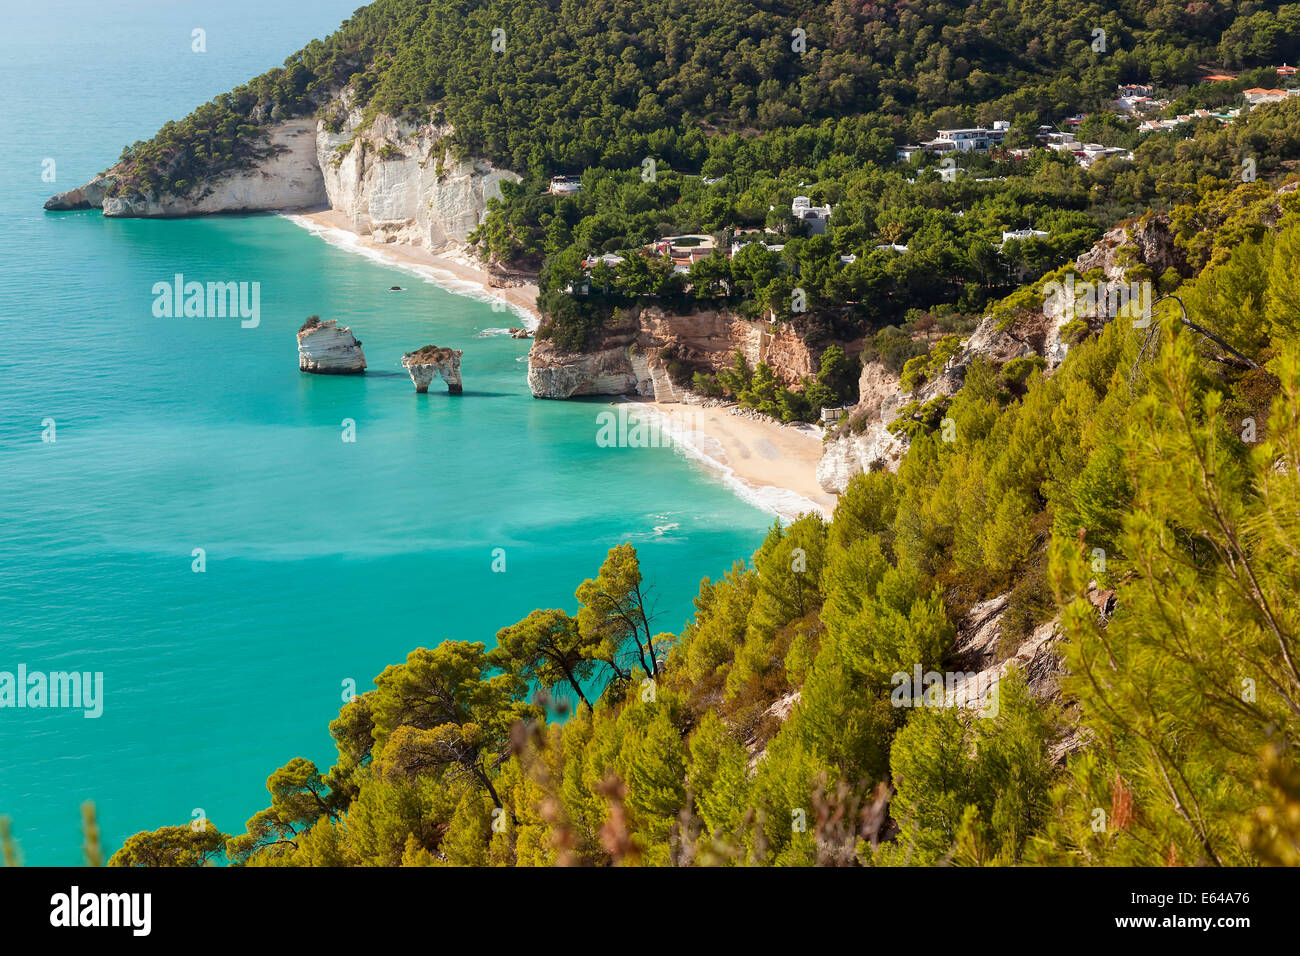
[288, 179]
[89, 196]
[392, 181]
[864, 442]
[398, 182]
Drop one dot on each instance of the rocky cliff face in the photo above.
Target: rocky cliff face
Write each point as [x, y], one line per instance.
[326, 349]
[393, 181]
[289, 179]
[865, 442]
[1148, 241]
[399, 183]
[629, 359]
[979, 657]
[89, 196]
[432, 362]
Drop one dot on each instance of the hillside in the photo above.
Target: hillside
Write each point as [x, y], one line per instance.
[566, 85]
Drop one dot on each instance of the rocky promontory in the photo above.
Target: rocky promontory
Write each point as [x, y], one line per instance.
[431, 361]
[89, 196]
[392, 180]
[287, 178]
[634, 352]
[326, 349]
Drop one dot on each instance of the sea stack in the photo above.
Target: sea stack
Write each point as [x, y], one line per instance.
[425, 363]
[325, 349]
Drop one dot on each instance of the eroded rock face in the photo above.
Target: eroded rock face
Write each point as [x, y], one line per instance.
[1146, 241]
[865, 441]
[289, 179]
[326, 349]
[394, 182]
[777, 713]
[1000, 345]
[851, 455]
[398, 182]
[89, 196]
[430, 362]
[629, 358]
[554, 374]
[1038, 659]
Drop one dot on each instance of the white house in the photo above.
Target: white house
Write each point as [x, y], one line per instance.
[1095, 151]
[973, 139]
[814, 217]
[1022, 234]
[1059, 140]
[565, 185]
[1258, 95]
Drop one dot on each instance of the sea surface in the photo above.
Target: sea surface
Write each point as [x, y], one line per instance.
[184, 442]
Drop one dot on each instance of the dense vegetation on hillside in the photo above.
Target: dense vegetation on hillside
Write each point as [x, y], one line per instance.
[1147, 465]
[579, 83]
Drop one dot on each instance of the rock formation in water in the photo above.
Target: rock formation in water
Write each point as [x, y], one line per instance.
[326, 349]
[426, 363]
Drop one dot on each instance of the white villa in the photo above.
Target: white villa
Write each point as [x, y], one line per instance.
[973, 139]
[815, 217]
[1257, 95]
[565, 185]
[1022, 234]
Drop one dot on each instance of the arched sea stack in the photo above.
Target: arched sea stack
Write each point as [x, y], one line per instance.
[425, 363]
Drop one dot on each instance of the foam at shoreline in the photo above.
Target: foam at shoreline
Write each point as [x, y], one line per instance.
[708, 451]
[443, 278]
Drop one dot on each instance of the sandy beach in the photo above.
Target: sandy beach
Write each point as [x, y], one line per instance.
[773, 465]
[770, 464]
[453, 265]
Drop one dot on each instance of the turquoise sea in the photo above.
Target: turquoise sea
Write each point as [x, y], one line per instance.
[325, 560]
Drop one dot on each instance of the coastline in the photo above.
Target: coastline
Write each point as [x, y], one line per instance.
[452, 270]
[771, 465]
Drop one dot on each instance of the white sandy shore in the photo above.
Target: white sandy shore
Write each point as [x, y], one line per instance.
[452, 270]
[771, 465]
